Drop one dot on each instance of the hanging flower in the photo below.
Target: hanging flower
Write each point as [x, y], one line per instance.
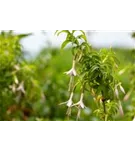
[16, 80]
[121, 109]
[17, 67]
[80, 105]
[122, 71]
[122, 89]
[116, 92]
[69, 104]
[21, 88]
[72, 71]
[127, 95]
[13, 88]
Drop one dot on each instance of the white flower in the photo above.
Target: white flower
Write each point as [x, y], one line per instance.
[72, 71]
[21, 88]
[121, 109]
[16, 80]
[122, 71]
[127, 95]
[13, 87]
[17, 67]
[80, 104]
[122, 89]
[116, 92]
[70, 101]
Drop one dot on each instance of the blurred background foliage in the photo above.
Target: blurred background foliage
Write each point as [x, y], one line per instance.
[33, 88]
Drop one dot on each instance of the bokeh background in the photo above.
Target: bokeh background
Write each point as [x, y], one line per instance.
[46, 85]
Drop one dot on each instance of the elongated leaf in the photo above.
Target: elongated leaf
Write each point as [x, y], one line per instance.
[24, 35]
[56, 32]
[64, 44]
[73, 31]
[82, 37]
[63, 31]
[68, 37]
[77, 42]
[83, 32]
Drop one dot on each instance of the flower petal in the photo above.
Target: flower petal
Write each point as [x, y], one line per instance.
[117, 93]
[69, 103]
[82, 105]
[63, 103]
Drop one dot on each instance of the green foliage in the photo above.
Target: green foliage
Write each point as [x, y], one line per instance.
[32, 89]
[18, 81]
[94, 71]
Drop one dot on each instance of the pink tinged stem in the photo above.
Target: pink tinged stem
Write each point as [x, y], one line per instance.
[68, 113]
[121, 109]
[78, 114]
[126, 98]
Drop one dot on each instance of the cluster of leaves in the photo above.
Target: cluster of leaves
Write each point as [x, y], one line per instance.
[18, 81]
[95, 72]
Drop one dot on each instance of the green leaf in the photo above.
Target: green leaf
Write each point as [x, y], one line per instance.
[73, 31]
[64, 44]
[77, 42]
[68, 37]
[24, 35]
[82, 37]
[94, 68]
[56, 32]
[63, 31]
[86, 45]
[83, 32]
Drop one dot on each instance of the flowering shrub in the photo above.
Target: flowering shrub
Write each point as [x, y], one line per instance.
[94, 72]
[17, 79]
[32, 88]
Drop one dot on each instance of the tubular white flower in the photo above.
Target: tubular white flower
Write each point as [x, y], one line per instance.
[69, 102]
[127, 95]
[116, 92]
[122, 89]
[72, 71]
[13, 87]
[21, 88]
[16, 80]
[80, 104]
[121, 109]
[17, 67]
[122, 71]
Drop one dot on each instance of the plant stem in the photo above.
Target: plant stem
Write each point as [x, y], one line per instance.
[104, 107]
[71, 82]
